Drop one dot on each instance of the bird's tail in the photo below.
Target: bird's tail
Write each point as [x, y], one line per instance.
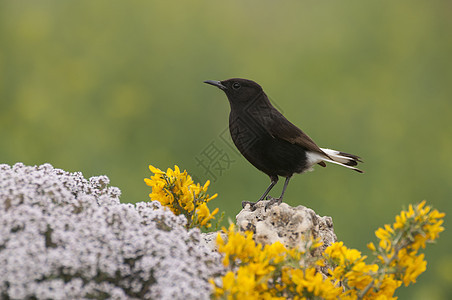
[343, 159]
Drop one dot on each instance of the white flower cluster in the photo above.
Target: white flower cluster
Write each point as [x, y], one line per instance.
[65, 237]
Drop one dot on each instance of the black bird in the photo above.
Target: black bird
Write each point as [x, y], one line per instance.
[268, 140]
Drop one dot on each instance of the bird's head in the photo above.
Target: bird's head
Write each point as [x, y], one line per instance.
[238, 90]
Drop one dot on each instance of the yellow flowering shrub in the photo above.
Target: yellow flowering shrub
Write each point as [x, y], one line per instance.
[177, 191]
[268, 272]
[275, 272]
[396, 256]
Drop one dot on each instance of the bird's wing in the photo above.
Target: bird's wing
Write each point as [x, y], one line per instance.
[279, 127]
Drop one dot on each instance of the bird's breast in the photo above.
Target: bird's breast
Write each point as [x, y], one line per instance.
[247, 132]
[271, 155]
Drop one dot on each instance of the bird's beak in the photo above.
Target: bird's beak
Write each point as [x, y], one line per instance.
[216, 83]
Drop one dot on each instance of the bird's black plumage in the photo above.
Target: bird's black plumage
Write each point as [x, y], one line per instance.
[268, 140]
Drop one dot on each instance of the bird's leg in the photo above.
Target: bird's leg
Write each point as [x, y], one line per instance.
[286, 183]
[274, 180]
[279, 200]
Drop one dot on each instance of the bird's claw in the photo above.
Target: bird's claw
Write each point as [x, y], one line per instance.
[252, 204]
[272, 202]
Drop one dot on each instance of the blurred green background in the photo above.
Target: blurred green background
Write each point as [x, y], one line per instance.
[109, 87]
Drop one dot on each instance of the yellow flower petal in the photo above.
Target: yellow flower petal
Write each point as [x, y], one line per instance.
[155, 170]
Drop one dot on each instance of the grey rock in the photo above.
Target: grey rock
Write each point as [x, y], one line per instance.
[292, 226]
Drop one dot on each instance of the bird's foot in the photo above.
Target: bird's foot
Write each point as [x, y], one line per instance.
[252, 205]
[272, 202]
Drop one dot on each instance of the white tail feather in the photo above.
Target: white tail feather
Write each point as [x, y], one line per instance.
[342, 158]
[341, 164]
[335, 155]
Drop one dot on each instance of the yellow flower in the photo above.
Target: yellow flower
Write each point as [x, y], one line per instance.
[176, 190]
[371, 246]
[386, 287]
[361, 275]
[401, 220]
[309, 281]
[228, 280]
[342, 255]
[349, 295]
[399, 244]
[155, 170]
[433, 227]
[413, 265]
[238, 246]
[204, 215]
[351, 268]
[274, 272]
[316, 243]
[385, 237]
[257, 267]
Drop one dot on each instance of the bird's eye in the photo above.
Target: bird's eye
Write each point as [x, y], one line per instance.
[236, 85]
